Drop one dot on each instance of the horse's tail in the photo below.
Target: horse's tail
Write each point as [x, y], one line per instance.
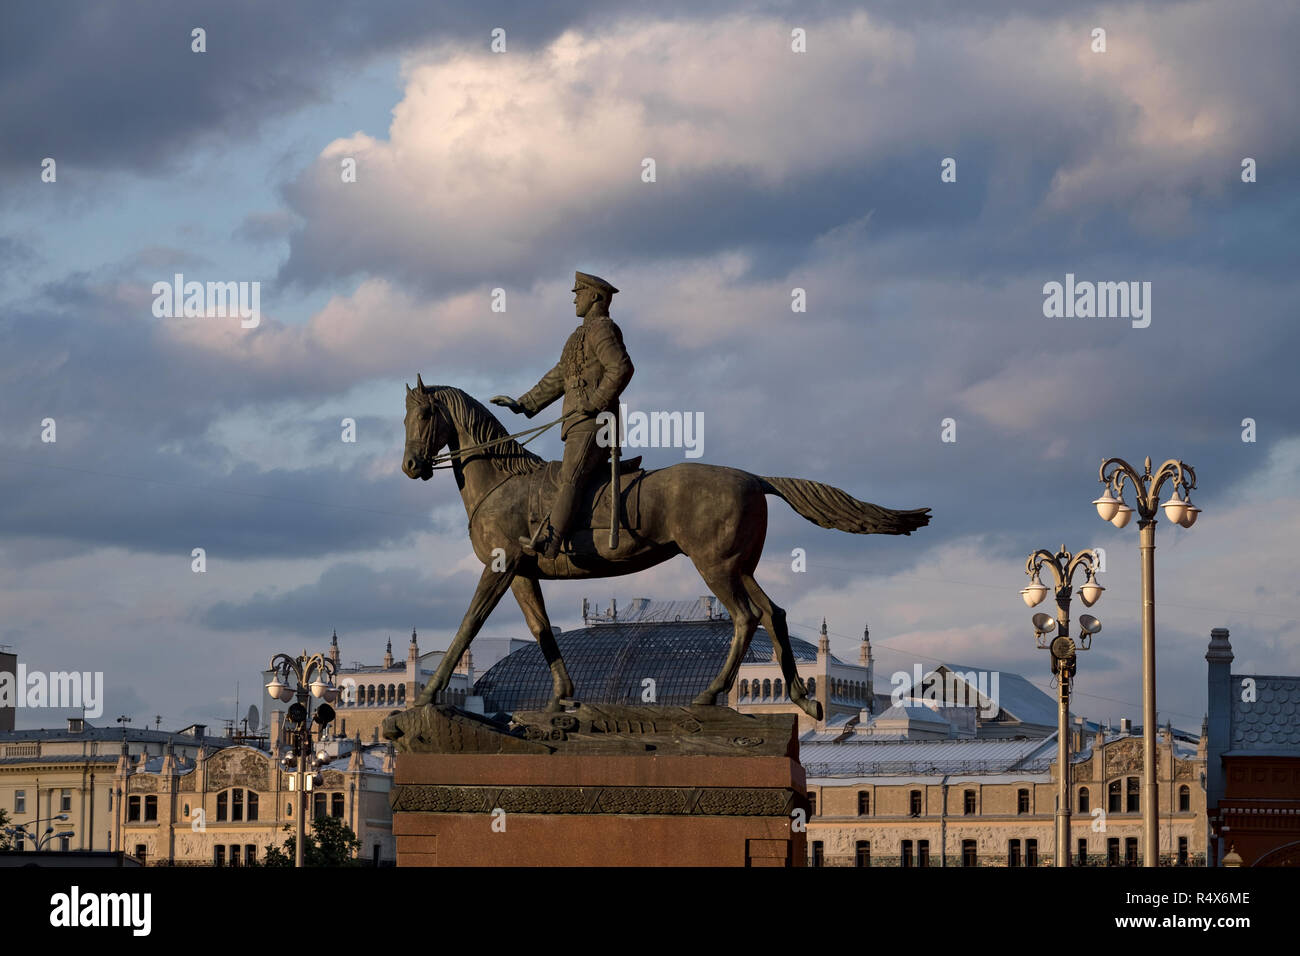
[832, 508]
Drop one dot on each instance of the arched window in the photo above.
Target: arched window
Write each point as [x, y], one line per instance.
[812, 686]
[767, 688]
[370, 694]
[392, 694]
[401, 693]
[744, 689]
[223, 802]
[1114, 798]
[1083, 800]
[1133, 795]
[776, 689]
[1184, 798]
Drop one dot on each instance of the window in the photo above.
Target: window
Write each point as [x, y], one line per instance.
[223, 804]
[401, 694]
[132, 809]
[1184, 798]
[1022, 801]
[922, 852]
[250, 854]
[744, 689]
[65, 801]
[1130, 851]
[140, 852]
[968, 802]
[907, 853]
[812, 804]
[864, 803]
[151, 807]
[1134, 794]
[819, 851]
[776, 688]
[969, 855]
[1113, 797]
[1031, 853]
[1013, 853]
[318, 805]
[65, 842]
[288, 808]
[236, 813]
[234, 854]
[914, 804]
[252, 805]
[19, 844]
[336, 805]
[20, 801]
[218, 855]
[767, 689]
[1112, 851]
[1083, 799]
[1182, 851]
[1082, 859]
[862, 853]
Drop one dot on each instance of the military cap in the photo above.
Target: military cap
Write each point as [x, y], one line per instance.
[581, 279]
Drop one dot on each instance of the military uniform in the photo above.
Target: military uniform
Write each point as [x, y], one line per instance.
[593, 370]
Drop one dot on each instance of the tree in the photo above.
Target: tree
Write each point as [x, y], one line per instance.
[330, 843]
[5, 843]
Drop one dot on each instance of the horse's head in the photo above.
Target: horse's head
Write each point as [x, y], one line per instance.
[427, 431]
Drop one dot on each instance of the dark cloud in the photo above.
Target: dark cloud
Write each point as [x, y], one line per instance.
[350, 597]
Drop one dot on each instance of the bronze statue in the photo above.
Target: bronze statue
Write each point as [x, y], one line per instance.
[591, 374]
[715, 515]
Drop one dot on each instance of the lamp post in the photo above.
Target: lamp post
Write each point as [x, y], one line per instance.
[20, 830]
[1113, 475]
[312, 676]
[1063, 566]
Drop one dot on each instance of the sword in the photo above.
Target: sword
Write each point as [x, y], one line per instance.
[613, 487]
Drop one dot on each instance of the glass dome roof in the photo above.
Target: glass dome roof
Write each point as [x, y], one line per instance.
[608, 663]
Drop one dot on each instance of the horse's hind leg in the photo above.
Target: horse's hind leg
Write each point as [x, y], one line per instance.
[727, 585]
[529, 595]
[774, 622]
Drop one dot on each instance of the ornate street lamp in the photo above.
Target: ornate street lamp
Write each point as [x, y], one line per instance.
[303, 677]
[1114, 473]
[1063, 566]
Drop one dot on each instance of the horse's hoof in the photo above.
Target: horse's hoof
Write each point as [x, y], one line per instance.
[813, 708]
[704, 700]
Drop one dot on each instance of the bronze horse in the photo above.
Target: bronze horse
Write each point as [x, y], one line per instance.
[714, 515]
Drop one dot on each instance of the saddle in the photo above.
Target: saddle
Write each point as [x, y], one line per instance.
[592, 506]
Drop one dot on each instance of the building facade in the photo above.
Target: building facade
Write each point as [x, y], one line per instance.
[226, 807]
[1254, 761]
[66, 779]
[991, 801]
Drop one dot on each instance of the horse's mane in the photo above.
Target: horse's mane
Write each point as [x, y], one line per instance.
[471, 416]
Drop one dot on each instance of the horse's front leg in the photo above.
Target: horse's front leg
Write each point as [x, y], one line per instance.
[491, 586]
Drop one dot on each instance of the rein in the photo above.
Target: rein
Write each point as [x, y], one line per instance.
[450, 456]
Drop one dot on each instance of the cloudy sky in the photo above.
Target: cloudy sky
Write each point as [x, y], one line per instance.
[774, 170]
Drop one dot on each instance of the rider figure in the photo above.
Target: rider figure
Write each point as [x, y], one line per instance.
[592, 372]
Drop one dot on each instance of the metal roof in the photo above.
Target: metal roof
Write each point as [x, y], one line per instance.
[865, 756]
[609, 662]
[1271, 722]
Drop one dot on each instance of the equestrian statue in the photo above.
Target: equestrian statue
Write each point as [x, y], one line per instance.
[532, 520]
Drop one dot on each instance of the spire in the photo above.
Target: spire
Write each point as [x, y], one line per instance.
[864, 652]
[413, 650]
[334, 647]
[388, 653]
[824, 641]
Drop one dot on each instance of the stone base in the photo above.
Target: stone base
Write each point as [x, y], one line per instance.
[598, 785]
[559, 810]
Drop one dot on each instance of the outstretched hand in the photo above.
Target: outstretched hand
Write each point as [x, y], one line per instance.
[507, 402]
